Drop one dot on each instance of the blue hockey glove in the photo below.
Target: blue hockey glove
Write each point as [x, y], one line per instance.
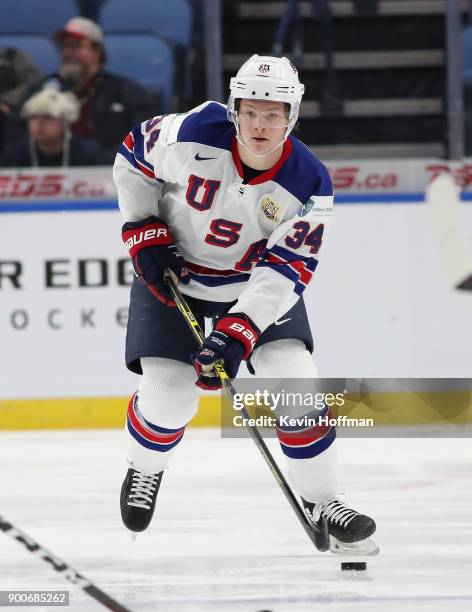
[152, 249]
[231, 341]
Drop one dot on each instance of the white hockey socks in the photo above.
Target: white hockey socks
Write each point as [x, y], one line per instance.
[166, 400]
[309, 451]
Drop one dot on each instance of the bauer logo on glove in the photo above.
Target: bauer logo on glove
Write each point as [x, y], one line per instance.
[245, 331]
[232, 340]
[147, 236]
[153, 251]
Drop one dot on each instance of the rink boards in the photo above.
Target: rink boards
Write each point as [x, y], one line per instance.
[396, 409]
[379, 304]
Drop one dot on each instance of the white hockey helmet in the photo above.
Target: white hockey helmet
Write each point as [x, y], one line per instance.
[264, 77]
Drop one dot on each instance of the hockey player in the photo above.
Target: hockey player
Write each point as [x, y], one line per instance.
[237, 209]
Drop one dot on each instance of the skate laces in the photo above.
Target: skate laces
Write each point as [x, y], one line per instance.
[337, 512]
[142, 490]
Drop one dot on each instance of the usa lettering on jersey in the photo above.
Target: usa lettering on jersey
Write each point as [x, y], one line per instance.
[258, 242]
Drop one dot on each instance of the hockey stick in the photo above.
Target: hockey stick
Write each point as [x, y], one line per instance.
[448, 226]
[319, 537]
[60, 566]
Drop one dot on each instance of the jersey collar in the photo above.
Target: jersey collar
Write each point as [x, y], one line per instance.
[268, 174]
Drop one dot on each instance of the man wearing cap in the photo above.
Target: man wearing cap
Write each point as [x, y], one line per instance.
[110, 105]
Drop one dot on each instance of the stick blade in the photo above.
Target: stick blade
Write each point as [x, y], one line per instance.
[466, 284]
[322, 536]
[442, 197]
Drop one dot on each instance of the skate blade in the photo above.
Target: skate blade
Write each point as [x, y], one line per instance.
[133, 537]
[364, 548]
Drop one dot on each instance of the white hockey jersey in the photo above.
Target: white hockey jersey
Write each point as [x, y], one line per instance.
[258, 242]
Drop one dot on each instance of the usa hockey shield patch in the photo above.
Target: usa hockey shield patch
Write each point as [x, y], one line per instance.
[270, 208]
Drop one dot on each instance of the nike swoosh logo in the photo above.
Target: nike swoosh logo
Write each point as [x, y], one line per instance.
[198, 158]
[282, 321]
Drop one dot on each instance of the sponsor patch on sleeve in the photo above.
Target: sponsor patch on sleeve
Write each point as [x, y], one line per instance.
[316, 207]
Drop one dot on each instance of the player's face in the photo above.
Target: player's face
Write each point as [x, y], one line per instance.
[262, 124]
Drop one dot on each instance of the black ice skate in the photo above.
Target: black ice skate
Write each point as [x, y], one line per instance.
[138, 499]
[349, 531]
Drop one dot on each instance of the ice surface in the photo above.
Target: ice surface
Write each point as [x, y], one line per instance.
[224, 538]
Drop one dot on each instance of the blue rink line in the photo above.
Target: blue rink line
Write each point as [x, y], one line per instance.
[390, 198]
[22, 206]
[380, 198]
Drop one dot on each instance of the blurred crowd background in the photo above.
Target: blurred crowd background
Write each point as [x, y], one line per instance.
[383, 79]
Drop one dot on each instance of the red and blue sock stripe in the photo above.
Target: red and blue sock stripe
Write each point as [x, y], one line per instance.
[306, 442]
[151, 436]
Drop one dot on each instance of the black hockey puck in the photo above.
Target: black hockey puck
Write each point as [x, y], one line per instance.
[357, 566]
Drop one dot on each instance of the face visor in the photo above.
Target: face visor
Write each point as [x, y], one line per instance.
[255, 118]
[263, 119]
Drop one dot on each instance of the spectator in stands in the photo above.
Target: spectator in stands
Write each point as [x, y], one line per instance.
[17, 72]
[110, 105]
[49, 141]
[90, 8]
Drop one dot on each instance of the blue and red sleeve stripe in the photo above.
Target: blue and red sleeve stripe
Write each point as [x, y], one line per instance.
[132, 150]
[297, 268]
